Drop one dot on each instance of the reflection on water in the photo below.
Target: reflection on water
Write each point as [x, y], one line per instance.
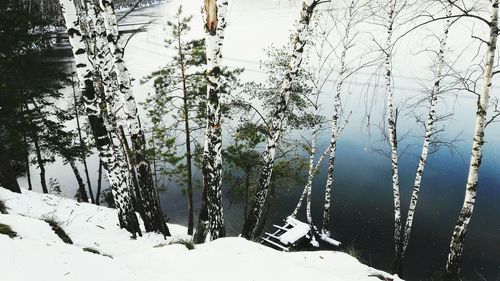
[363, 202]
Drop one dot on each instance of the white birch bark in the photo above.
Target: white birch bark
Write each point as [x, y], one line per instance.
[306, 194]
[151, 214]
[392, 130]
[458, 237]
[212, 152]
[268, 157]
[127, 217]
[429, 131]
[336, 129]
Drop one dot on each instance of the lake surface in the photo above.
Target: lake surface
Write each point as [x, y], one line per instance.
[362, 212]
[363, 208]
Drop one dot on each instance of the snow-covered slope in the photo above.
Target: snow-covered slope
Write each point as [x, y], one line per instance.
[37, 253]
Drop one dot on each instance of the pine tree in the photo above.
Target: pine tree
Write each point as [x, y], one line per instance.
[23, 76]
[179, 106]
[184, 105]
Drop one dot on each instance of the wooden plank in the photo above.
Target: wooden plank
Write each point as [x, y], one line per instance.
[281, 227]
[272, 235]
[275, 244]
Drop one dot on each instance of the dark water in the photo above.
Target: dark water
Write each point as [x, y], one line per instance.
[363, 205]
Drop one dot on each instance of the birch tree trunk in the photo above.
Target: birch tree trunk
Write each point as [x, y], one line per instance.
[313, 168]
[392, 132]
[299, 41]
[458, 237]
[152, 215]
[429, 131]
[335, 131]
[106, 77]
[306, 194]
[215, 24]
[310, 177]
[111, 161]
[27, 159]
[333, 150]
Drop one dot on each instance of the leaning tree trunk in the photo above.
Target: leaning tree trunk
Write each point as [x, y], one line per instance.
[215, 24]
[152, 215]
[306, 193]
[392, 134]
[82, 143]
[99, 184]
[110, 103]
[457, 240]
[81, 185]
[335, 132]
[278, 117]
[119, 188]
[313, 168]
[429, 131]
[310, 177]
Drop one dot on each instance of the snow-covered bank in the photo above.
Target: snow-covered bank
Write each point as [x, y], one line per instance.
[37, 253]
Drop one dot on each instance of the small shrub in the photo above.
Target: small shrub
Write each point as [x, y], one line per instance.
[54, 187]
[355, 253]
[186, 242]
[91, 250]
[107, 198]
[381, 277]
[95, 251]
[58, 230]
[3, 208]
[7, 230]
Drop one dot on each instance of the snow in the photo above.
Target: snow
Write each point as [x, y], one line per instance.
[150, 257]
[326, 237]
[298, 230]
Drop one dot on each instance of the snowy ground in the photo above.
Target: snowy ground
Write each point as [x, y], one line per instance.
[37, 253]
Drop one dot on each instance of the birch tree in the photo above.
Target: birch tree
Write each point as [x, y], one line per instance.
[211, 219]
[111, 161]
[345, 70]
[299, 41]
[151, 214]
[391, 115]
[388, 14]
[458, 237]
[312, 168]
[430, 131]
[177, 108]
